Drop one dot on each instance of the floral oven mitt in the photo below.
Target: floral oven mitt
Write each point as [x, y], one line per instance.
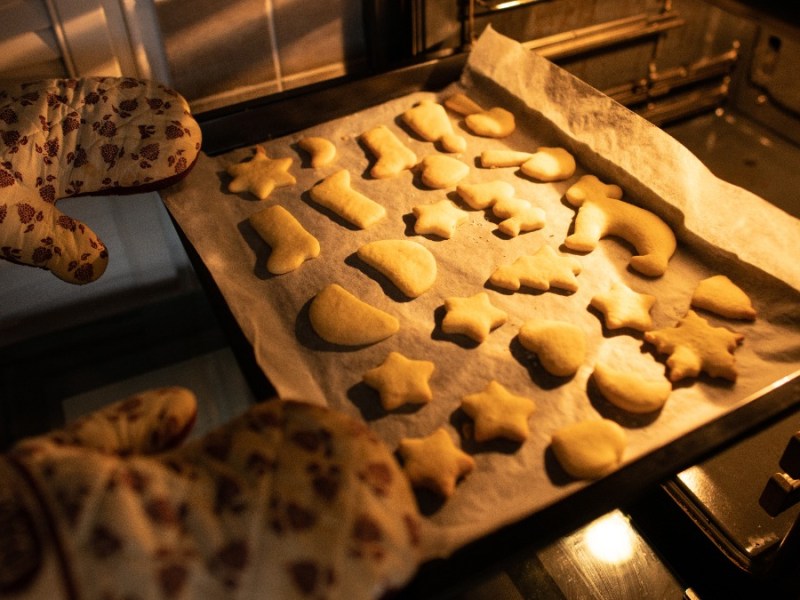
[68, 137]
[287, 501]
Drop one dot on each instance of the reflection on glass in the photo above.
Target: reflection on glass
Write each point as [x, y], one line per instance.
[610, 539]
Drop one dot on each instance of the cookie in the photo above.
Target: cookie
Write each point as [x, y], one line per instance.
[518, 216]
[435, 462]
[559, 346]
[440, 218]
[291, 244]
[721, 296]
[429, 120]
[260, 175]
[493, 123]
[474, 316]
[392, 156]
[439, 172]
[338, 317]
[484, 195]
[336, 194]
[589, 449]
[492, 159]
[693, 346]
[497, 413]
[623, 307]
[462, 104]
[540, 271]
[408, 265]
[321, 149]
[549, 164]
[601, 213]
[400, 380]
[630, 390]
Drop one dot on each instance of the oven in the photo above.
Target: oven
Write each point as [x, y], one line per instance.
[712, 514]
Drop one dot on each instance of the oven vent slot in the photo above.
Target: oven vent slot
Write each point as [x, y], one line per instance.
[604, 35]
[680, 91]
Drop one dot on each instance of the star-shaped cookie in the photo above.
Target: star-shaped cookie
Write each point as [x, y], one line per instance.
[260, 175]
[694, 346]
[518, 216]
[474, 316]
[539, 271]
[496, 412]
[401, 380]
[435, 462]
[623, 307]
[440, 218]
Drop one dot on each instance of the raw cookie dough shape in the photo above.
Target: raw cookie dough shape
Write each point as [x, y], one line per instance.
[338, 317]
[439, 172]
[493, 123]
[429, 120]
[539, 271]
[291, 244]
[549, 164]
[435, 462]
[321, 150]
[335, 193]
[694, 346]
[392, 156]
[518, 216]
[559, 346]
[440, 218]
[630, 390]
[719, 295]
[623, 307]
[492, 159]
[474, 316]
[484, 195]
[260, 175]
[497, 413]
[407, 264]
[400, 380]
[601, 212]
[589, 449]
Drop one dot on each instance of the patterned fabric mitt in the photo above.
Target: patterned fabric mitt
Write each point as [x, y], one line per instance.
[289, 500]
[68, 137]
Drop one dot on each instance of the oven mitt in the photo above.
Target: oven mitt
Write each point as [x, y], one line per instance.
[68, 137]
[289, 500]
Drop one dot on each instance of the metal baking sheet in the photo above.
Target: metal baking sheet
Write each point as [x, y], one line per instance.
[552, 108]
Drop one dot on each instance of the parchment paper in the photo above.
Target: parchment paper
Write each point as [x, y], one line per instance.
[722, 229]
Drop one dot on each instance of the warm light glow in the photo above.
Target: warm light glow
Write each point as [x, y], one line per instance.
[610, 539]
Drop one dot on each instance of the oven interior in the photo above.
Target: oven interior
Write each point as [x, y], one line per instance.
[718, 75]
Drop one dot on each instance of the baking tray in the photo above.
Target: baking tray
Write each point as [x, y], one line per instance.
[264, 120]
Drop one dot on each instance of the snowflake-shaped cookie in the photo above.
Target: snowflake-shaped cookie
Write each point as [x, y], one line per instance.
[440, 218]
[540, 271]
[260, 175]
[435, 462]
[474, 316]
[496, 412]
[694, 346]
[623, 307]
[400, 380]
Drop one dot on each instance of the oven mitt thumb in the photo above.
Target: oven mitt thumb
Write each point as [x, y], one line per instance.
[69, 137]
[289, 500]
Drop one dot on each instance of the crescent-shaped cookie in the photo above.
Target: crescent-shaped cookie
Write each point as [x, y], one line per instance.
[630, 390]
[601, 213]
[407, 264]
[589, 449]
[338, 317]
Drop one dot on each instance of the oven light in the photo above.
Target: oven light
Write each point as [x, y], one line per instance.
[610, 539]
